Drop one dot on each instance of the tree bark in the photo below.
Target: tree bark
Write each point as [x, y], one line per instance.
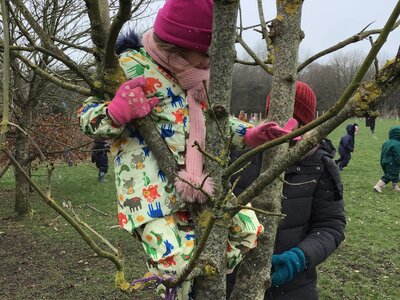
[4, 169]
[222, 55]
[286, 36]
[23, 205]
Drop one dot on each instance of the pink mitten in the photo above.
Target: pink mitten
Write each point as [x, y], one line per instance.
[267, 131]
[259, 135]
[277, 131]
[130, 102]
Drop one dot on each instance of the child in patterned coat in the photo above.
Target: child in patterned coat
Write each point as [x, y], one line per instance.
[167, 75]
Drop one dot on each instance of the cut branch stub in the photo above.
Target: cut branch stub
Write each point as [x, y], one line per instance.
[217, 112]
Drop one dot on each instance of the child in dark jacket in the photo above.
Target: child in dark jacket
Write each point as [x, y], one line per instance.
[346, 146]
[100, 158]
[314, 224]
[390, 161]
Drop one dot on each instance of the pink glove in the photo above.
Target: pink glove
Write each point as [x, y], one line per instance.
[268, 131]
[130, 102]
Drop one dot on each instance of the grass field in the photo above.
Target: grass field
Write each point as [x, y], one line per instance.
[367, 265]
[44, 258]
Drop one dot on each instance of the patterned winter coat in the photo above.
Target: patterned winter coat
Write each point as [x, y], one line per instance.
[144, 192]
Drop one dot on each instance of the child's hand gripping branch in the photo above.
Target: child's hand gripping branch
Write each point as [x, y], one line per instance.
[130, 102]
[268, 131]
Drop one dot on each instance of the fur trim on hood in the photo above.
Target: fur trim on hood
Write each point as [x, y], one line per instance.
[128, 40]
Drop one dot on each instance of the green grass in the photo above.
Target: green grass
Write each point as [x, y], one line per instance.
[44, 258]
[367, 264]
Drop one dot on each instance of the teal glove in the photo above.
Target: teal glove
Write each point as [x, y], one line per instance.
[287, 265]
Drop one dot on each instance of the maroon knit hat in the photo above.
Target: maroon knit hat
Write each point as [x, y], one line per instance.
[305, 103]
[187, 24]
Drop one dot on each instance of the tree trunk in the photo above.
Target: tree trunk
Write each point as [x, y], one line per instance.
[286, 37]
[222, 55]
[4, 169]
[105, 14]
[23, 205]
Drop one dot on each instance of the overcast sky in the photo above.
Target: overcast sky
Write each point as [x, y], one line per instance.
[326, 23]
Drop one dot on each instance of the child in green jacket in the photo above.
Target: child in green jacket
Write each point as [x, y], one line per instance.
[390, 161]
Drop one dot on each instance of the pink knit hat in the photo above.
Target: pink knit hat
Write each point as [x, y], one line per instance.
[187, 24]
[305, 103]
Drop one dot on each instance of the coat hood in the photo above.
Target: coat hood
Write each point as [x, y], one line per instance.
[351, 128]
[394, 133]
[327, 146]
[128, 40]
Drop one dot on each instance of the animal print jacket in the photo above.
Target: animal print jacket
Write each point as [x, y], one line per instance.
[144, 193]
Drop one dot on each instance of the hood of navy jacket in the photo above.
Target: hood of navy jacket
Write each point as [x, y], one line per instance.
[351, 128]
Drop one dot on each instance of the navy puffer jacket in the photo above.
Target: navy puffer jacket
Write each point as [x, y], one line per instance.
[346, 145]
[315, 218]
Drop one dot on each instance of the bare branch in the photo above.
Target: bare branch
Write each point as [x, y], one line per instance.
[44, 74]
[48, 43]
[53, 204]
[42, 157]
[6, 73]
[264, 27]
[376, 64]
[98, 29]
[95, 209]
[206, 154]
[257, 210]
[197, 253]
[248, 63]
[99, 236]
[5, 168]
[123, 15]
[50, 169]
[221, 132]
[354, 39]
[167, 163]
[253, 55]
[198, 188]
[72, 45]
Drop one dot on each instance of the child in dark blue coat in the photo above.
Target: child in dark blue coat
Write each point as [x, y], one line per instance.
[100, 157]
[346, 146]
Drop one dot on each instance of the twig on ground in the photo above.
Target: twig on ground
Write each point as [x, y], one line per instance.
[95, 209]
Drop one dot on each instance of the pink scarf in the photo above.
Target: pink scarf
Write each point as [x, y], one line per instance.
[191, 80]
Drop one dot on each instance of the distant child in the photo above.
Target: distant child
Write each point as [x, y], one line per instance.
[100, 157]
[255, 119]
[346, 146]
[370, 122]
[390, 161]
[242, 116]
[167, 68]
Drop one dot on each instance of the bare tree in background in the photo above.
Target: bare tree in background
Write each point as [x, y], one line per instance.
[28, 86]
[282, 40]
